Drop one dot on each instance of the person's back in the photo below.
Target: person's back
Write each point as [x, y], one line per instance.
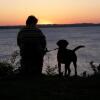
[31, 39]
[32, 44]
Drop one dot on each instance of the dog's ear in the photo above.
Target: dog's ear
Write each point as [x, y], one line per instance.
[62, 43]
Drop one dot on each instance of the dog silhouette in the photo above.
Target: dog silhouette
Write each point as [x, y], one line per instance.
[66, 56]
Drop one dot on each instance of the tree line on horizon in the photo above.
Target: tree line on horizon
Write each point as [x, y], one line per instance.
[54, 25]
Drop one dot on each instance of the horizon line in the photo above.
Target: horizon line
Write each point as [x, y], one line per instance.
[53, 24]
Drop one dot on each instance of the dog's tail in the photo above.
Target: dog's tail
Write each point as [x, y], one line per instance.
[78, 47]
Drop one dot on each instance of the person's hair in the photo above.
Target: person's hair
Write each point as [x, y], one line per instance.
[31, 20]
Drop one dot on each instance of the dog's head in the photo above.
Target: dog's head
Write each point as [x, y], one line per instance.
[62, 43]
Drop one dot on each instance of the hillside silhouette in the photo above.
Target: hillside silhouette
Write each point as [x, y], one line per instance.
[53, 25]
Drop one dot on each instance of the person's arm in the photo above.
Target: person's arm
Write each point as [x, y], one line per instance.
[19, 39]
[44, 45]
[43, 42]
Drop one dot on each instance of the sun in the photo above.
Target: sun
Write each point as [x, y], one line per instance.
[45, 22]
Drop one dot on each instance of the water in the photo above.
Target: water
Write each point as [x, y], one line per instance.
[88, 36]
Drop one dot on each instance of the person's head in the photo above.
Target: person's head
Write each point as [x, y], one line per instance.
[31, 20]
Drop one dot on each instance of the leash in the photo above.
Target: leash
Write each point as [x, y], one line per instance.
[51, 50]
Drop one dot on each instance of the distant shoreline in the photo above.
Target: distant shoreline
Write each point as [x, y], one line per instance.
[53, 25]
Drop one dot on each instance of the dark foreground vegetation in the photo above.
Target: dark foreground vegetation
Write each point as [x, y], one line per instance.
[14, 86]
[50, 88]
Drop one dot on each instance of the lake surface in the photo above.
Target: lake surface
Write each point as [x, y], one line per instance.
[88, 36]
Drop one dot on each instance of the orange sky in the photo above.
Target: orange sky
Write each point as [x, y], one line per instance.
[15, 12]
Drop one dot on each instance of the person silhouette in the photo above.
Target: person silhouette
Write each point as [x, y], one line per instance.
[32, 45]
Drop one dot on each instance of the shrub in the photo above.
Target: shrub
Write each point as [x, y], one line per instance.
[9, 66]
[5, 69]
[51, 70]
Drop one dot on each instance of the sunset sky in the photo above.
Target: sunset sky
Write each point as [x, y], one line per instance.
[15, 12]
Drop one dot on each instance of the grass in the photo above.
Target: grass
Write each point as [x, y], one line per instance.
[50, 88]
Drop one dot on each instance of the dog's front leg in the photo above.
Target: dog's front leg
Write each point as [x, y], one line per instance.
[59, 68]
[67, 68]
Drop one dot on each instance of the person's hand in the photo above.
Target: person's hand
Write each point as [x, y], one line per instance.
[45, 51]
